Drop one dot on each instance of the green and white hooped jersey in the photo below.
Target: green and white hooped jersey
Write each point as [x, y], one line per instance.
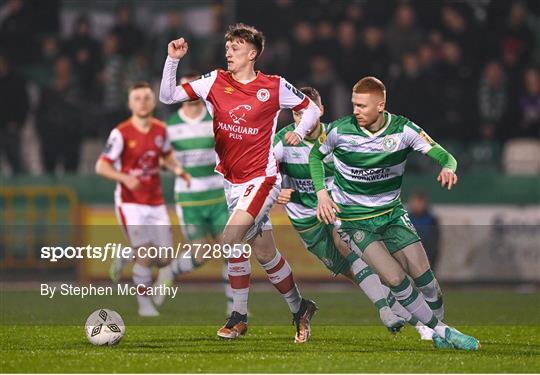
[193, 143]
[294, 168]
[369, 167]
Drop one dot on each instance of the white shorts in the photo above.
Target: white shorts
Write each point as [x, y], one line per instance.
[144, 224]
[256, 197]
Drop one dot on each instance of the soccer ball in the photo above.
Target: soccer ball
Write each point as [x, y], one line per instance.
[104, 327]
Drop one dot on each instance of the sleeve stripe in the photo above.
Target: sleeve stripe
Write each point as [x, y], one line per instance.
[302, 105]
[104, 158]
[189, 90]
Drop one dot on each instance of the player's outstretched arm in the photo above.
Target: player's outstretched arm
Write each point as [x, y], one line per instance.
[105, 169]
[169, 92]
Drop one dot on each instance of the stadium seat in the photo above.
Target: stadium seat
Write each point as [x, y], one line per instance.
[522, 156]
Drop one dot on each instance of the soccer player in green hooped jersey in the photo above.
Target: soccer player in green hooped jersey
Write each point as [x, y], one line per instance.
[298, 196]
[201, 207]
[370, 148]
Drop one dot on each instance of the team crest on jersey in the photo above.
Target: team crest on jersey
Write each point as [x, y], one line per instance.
[389, 143]
[158, 141]
[239, 112]
[263, 95]
[228, 90]
[358, 236]
[132, 143]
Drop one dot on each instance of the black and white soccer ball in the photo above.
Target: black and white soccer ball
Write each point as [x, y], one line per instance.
[104, 327]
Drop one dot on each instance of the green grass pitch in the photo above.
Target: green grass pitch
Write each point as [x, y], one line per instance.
[41, 335]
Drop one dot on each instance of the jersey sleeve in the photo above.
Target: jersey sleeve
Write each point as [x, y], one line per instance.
[325, 145]
[114, 147]
[420, 141]
[166, 147]
[278, 150]
[200, 88]
[291, 97]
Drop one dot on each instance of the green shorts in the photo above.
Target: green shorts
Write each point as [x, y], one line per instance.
[394, 229]
[319, 241]
[198, 222]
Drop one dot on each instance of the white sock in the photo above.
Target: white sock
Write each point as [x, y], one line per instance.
[183, 265]
[280, 275]
[239, 272]
[228, 288]
[142, 276]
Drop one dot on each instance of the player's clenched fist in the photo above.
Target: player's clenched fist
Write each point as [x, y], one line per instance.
[177, 48]
[284, 196]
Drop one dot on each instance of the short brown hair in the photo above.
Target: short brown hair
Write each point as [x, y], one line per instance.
[312, 93]
[248, 34]
[369, 85]
[140, 85]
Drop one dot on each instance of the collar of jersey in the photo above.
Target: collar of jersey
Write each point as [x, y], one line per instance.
[192, 120]
[387, 119]
[151, 125]
[245, 84]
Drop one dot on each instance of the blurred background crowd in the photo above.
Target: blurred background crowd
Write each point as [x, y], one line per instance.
[467, 71]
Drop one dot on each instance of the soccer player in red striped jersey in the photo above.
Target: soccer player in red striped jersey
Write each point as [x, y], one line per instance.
[132, 158]
[245, 105]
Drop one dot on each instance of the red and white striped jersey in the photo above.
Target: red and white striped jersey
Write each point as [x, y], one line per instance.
[245, 118]
[137, 154]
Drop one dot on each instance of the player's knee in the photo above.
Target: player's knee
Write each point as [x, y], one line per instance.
[264, 254]
[394, 279]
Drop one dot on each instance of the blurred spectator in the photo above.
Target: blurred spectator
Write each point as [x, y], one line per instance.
[324, 79]
[85, 54]
[13, 109]
[529, 103]
[302, 49]
[130, 37]
[58, 120]
[349, 54]
[454, 96]
[492, 95]
[373, 60]
[426, 225]
[402, 34]
[354, 12]
[326, 42]
[42, 71]
[174, 29]
[410, 92]
[137, 69]
[16, 31]
[516, 34]
[113, 78]
[456, 28]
